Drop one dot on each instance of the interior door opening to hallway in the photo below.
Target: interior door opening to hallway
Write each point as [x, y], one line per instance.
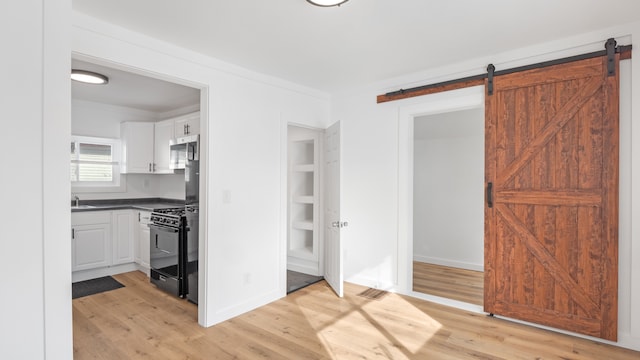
[448, 219]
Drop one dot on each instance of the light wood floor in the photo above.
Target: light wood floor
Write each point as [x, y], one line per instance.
[452, 283]
[139, 322]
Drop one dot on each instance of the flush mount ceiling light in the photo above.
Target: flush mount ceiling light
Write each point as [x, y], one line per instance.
[327, 3]
[88, 77]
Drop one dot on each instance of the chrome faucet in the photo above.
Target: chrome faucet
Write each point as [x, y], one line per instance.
[77, 200]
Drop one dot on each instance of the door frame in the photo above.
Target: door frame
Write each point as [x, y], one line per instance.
[203, 263]
[284, 202]
[449, 101]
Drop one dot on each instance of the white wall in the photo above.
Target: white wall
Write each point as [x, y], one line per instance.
[448, 196]
[375, 200]
[103, 120]
[35, 306]
[243, 156]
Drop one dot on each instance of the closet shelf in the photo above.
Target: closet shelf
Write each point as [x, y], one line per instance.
[304, 168]
[303, 199]
[302, 252]
[303, 225]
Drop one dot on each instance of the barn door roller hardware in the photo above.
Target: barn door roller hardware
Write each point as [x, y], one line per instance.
[490, 70]
[611, 49]
[610, 45]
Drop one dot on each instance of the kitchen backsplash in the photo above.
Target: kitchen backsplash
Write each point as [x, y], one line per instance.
[168, 186]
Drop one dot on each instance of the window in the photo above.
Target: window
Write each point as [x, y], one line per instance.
[95, 162]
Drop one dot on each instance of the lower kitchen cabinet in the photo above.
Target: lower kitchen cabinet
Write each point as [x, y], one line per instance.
[90, 240]
[101, 239]
[142, 236]
[122, 240]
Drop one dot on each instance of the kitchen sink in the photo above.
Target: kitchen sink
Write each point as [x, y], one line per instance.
[83, 207]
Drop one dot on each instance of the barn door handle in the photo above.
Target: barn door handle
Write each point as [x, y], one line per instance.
[490, 195]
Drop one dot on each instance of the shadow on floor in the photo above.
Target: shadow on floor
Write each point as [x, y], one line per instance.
[297, 281]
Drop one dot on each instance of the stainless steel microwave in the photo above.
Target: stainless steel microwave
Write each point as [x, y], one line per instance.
[183, 149]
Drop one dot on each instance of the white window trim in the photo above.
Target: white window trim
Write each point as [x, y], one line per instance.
[119, 185]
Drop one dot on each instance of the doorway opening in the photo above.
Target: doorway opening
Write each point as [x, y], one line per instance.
[448, 200]
[313, 246]
[304, 207]
[156, 110]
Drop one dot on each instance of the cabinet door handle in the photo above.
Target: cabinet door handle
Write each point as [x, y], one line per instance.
[138, 216]
[73, 233]
[185, 129]
[490, 195]
[149, 167]
[154, 167]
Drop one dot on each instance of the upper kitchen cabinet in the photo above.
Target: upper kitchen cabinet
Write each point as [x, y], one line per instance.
[164, 132]
[137, 147]
[145, 145]
[187, 124]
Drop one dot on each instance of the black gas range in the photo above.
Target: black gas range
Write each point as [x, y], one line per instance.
[168, 244]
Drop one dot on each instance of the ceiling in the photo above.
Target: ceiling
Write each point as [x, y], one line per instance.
[362, 41]
[133, 90]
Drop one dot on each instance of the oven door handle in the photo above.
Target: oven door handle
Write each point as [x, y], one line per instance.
[163, 228]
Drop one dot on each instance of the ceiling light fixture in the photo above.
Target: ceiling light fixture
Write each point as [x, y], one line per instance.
[88, 77]
[327, 3]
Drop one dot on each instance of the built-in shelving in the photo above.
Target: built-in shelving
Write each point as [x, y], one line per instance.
[303, 250]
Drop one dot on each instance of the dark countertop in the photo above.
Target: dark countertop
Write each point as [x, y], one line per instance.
[147, 204]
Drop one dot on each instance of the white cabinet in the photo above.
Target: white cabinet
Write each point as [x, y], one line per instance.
[90, 240]
[164, 132]
[142, 238]
[145, 145]
[137, 147]
[187, 124]
[101, 239]
[122, 240]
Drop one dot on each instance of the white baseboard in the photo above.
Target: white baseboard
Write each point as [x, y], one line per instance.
[448, 262]
[100, 272]
[303, 266]
[372, 283]
[143, 269]
[244, 307]
[627, 341]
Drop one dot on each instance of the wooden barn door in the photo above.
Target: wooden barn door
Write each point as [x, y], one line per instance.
[551, 250]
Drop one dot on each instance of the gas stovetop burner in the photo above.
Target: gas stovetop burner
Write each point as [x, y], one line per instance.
[170, 211]
[172, 217]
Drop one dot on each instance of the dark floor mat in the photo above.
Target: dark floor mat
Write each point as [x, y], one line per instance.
[296, 280]
[94, 286]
